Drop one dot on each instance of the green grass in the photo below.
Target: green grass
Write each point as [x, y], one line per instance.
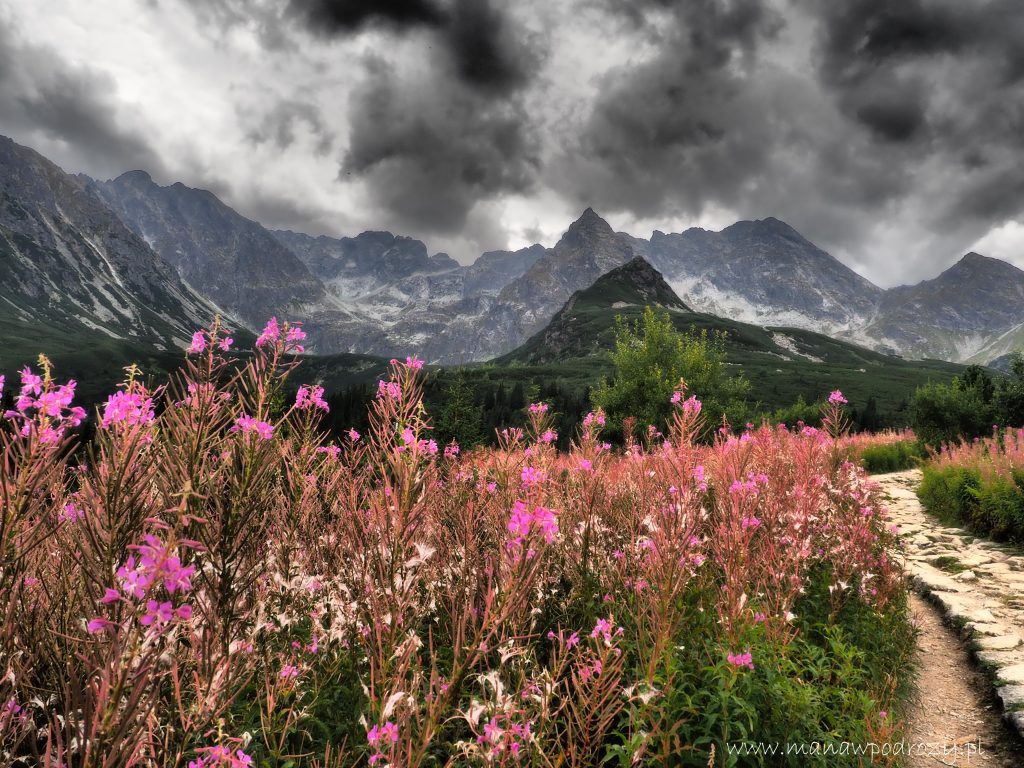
[949, 564]
[892, 457]
[991, 506]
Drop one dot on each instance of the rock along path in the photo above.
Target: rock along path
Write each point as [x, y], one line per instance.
[978, 588]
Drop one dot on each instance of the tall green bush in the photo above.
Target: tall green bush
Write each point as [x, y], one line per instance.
[651, 358]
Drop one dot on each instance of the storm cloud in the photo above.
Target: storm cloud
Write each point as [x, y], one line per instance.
[59, 107]
[889, 133]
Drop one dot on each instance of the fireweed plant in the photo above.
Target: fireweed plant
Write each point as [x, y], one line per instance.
[979, 484]
[210, 584]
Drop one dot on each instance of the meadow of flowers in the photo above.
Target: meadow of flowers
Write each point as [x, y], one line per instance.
[980, 484]
[207, 583]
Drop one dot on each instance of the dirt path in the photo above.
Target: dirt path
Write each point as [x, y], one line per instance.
[959, 723]
[978, 586]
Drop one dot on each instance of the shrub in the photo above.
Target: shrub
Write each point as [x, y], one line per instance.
[879, 452]
[651, 358]
[978, 484]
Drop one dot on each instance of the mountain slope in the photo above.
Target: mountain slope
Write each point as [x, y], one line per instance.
[781, 363]
[587, 250]
[580, 328]
[72, 266]
[970, 312]
[229, 258]
[763, 271]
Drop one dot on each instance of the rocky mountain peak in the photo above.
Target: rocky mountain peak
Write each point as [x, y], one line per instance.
[639, 278]
[135, 179]
[587, 228]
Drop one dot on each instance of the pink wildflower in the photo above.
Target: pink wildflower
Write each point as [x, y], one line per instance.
[247, 425]
[289, 672]
[389, 389]
[71, 513]
[836, 398]
[271, 333]
[97, 625]
[741, 660]
[531, 476]
[157, 613]
[198, 343]
[129, 408]
[311, 397]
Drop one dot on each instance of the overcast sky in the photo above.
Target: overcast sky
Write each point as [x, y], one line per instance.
[889, 132]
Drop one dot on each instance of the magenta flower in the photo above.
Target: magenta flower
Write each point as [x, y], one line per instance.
[519, 523]
[225, 343]
[606, 629]
[413, 362]
[836, 398]
[531, 476]
[548, 523]
[220, 757]
[311, 397]
[248, 425]
[382, 733]
[538, 408]
[198, 343]
[741, 660]
[389, 389]
[127, 407]
[692, 405]
[157, 613]
[271, 333]
[353, 435]
[97, 625]
[71, 513]
[289, 672]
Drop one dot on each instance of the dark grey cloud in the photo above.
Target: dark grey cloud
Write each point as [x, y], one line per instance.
[839, 117]
[429, 151]
[71, 112]
[476, 41]
[281, 121]
[348, 16]
[489, 51]
[942, 80]
[675, 131]
[875, 127]
[428, 146]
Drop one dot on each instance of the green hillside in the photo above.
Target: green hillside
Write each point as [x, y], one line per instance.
[780, 363]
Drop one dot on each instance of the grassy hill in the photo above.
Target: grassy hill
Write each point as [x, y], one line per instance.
[780, 363]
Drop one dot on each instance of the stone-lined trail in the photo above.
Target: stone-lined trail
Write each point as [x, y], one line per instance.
[971, 605]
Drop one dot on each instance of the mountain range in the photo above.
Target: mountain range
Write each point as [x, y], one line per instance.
[135, 260]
